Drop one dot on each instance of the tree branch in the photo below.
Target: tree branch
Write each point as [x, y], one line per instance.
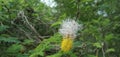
[40, 38]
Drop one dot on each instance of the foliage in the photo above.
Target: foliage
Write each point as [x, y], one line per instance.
[47, 45]
[29, 28]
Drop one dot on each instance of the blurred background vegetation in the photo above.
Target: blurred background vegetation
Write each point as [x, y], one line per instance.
[29, 28]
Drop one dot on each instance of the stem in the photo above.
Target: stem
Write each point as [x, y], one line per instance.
[103, 52]
[97, 52]
[39, 37]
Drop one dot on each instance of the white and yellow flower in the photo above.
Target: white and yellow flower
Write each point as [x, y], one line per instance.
[68, 30]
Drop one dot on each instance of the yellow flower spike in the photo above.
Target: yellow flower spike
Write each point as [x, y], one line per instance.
[66, 44]
[68, 30]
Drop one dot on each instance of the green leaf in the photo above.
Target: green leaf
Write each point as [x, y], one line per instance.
[3, 27]
[15, 48]
[56, 23]
[9, 39]
[45, 45]
[105, 22]
[56, 55]
[110, 50]
[27, 41]
[109, 37]
[91, 55]
[98, 45]
[86, 0]
[77, 43]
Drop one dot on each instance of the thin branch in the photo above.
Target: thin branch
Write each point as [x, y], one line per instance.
[40, 38]
[97, 52]
[78, 9]
[103, 52]
[26, 34]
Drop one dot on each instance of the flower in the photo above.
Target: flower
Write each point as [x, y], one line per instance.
[66, 44]
[69, 27]
[68, 30]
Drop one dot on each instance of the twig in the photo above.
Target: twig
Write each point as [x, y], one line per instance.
[97, 52]
[78, 9]
[40, 38]
[26, 34]
[103, 51]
